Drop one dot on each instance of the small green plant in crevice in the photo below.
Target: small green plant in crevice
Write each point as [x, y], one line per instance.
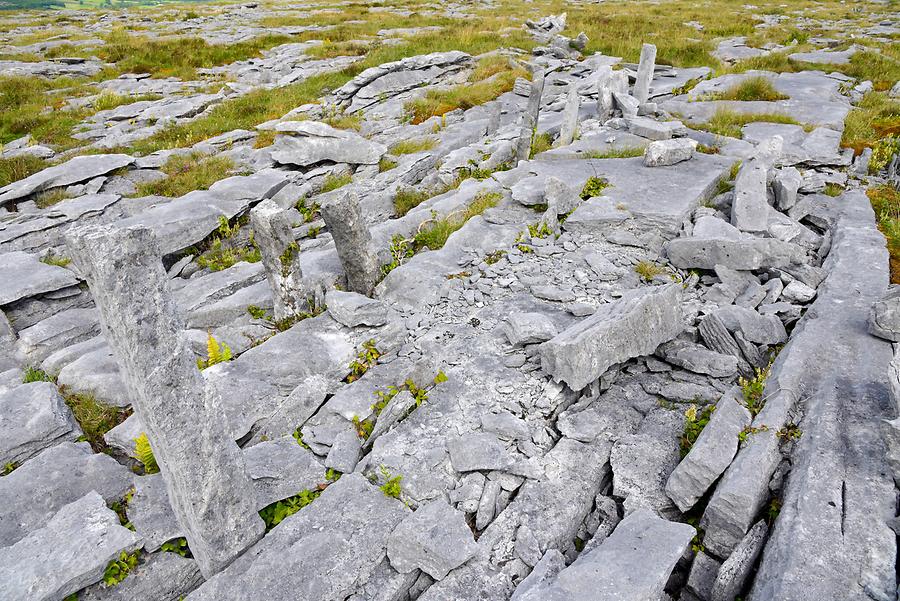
[95, 418]
[365, 359]
[648, 270]
[539, 230]
[391, 486]
[494, 257]
[9, 468]
[216, 352]
[752, 390]
[144, 453]
[224, 248]
[56, 260]
[744, 434]
[179, 546]
[332, 475]
[287, 258]
[773, 509]
[614, 153]
[309, 212]
[726, 184]
[35, 374]
[594, 186]
[333, 182]
[117, 570]
[120, 506]
[298, 436]
[276, 512]
[257, 312]
[72, 597]
[789, 432]
[694, 422]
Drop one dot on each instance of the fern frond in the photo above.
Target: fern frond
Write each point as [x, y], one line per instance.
[144, 453]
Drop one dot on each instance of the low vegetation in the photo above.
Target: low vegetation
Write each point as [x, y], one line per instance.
[757, 87]
[874, 123]
[694, 422]
[94, 417]
[187, 173]
[886, 203]
[333, 182]
[413, 146]
[216, 352]
[275, 513]
[143, 452]
[727, 122]
[117, 570]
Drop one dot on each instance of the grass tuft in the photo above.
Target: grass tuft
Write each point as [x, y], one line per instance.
[751, 88]
[727, 122]
[187, 173]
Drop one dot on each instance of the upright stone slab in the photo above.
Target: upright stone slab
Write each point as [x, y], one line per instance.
[529, 119]
[632, 326]
[280, 257]
[750, 210]
[570, 117]
[353, 242]
[208, 485]
[645, 73]
[605, 103]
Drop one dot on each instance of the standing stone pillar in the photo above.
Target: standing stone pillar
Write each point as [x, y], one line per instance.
[605, 103]
[353, 242]
[645, 73]
[570, 117]
[280, 257]
[208, 485]
[529, 120]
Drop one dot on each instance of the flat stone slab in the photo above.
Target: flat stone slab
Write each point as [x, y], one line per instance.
[70, 552]
[74, 170]
[325, 551]
[312, 142]
[33, 492]
[633, 564]
[434, 539]
[33, 417]
[630, 327]
[654, 197]
[23, 276]
[478, 451]
[744, 254]
[183, 222]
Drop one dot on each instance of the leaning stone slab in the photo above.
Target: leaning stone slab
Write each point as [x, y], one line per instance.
[205, 474]
[528, 121]
[434, 539]
[761, 329]
[33, 417]
[630, 327]
[668, 152]
[698, 359]
[711, 453]
[737, 568]
[24, 276]
[745, 254]
[325, 551]
[70, 552]
[645, 73]
[72, 171]
[633, 564]
[33, 492]
[884, 318]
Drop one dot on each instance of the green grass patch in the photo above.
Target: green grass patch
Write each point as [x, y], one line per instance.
[435, 235]
[727, 122]
[333, 182]
[886, 203]
[187, 173]
[180, 56]
[752, 88]
[874, 119]
[95, 418]
[616, 153]
[413, 146]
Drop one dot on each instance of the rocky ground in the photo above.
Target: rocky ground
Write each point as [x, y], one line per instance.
[490, 311]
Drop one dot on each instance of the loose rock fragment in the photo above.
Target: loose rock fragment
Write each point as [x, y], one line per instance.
[434, 539]
[630, 327]
[668, 152]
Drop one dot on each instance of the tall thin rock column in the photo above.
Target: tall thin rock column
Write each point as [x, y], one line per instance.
[280, 257]
[529, 121]
[605, 103]
[645, 73]
[569, 126]
[209, 488]
[353, 242]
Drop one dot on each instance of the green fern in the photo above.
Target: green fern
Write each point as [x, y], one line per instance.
[216, 352]
[144, 453]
